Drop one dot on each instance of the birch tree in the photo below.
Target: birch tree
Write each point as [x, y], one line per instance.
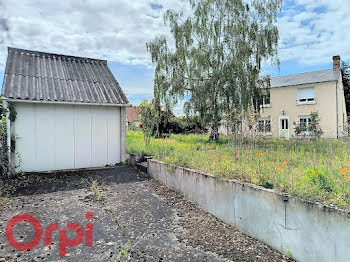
[215, 62]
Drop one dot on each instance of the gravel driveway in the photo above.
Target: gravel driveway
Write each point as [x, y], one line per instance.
[132, 214]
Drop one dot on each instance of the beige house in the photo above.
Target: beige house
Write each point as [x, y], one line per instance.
[292, 98]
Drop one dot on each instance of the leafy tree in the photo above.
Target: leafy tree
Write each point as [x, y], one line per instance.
[216, 58]
[148, 120]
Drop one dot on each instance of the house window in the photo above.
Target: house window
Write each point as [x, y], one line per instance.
[265, 99]
[304, 123]
[306, 95]
[237, 127]
[264, 125]
[284, 124]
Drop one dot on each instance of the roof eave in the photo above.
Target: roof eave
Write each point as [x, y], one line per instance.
[330, 81]
[62, 102]
[15, 49]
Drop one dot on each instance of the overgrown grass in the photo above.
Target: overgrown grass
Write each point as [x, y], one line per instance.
[318, 171]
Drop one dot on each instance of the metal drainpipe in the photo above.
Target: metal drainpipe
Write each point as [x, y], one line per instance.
[8, 132]
[336, 97]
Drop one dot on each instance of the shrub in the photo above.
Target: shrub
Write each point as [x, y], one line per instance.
[185, 125]
[313, 128]
[4, 163]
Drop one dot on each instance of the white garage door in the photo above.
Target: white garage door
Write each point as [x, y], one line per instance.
[56, 137]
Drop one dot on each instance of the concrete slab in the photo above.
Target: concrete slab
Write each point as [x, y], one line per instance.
[127, 206]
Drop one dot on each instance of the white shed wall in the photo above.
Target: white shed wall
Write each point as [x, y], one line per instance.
[57, 137]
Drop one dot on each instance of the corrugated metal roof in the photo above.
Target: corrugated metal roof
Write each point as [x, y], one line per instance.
[39, 76]
[321, 76]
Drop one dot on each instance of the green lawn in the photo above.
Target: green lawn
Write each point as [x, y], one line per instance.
[317, 171]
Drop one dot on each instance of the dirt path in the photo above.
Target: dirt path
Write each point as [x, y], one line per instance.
[127, 207]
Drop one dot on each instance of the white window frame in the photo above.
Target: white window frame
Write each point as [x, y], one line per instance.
[308, 122]
[263, 97]
[306, 99]
[264, 104]
[264, 119]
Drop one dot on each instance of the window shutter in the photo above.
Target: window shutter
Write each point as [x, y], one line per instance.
[306, 93]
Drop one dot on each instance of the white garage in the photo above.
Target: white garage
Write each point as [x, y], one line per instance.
[70, 112]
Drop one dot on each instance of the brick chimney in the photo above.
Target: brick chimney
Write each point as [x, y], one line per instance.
[336, 62]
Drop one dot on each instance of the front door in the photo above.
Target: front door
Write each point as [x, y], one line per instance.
[284, 127]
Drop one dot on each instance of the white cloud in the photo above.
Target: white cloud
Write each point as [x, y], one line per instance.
[311, 31]
[113, 30]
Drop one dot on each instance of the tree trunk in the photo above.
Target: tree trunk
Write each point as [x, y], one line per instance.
[214, 132]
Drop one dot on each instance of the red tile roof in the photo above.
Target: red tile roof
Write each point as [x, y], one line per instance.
[132, 115]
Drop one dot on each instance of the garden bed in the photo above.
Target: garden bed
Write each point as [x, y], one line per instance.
[317, 171]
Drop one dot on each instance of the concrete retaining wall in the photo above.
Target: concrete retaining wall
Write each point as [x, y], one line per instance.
[310, 232]
[135, 158]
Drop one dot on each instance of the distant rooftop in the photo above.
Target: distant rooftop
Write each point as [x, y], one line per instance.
[39, 76]
[328, 75]
[132, 114]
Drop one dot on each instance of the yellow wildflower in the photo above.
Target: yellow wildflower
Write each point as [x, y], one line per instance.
[285, 162]
[349, 164]
[255, 180]
[279, 163]
[347, 178]
[261, 160]
[313, 172]
[251, 154]
[271, 163]
[233, 159]
[279, 169]
[247, 151]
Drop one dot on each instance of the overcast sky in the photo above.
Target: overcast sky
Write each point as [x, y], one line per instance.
[311, 32]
